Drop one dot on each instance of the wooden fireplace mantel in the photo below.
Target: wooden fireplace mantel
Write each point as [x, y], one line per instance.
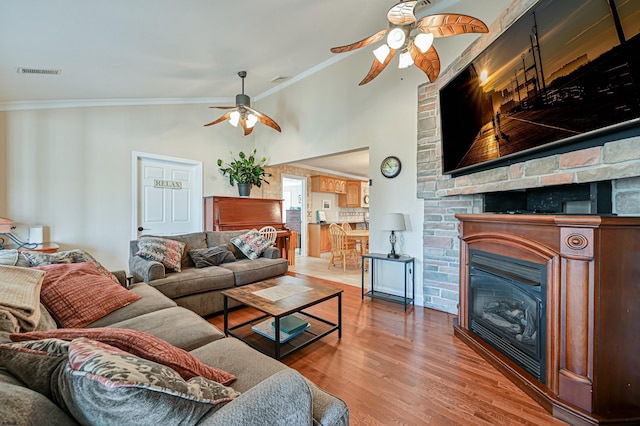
[593, 320]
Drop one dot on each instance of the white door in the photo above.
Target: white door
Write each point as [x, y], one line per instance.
[167, 195]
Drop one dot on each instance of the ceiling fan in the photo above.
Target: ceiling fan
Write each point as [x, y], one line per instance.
[413, 38]
[243, 113]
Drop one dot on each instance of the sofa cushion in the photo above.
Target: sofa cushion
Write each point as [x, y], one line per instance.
[164, 250]
[151, 300]
[20, 405]
[70, 256]
[194, 280]
[251, 271]
[140, 344]
[77, 294]
[34, 362]
[251, 244]
[105, 385]
[252, 367]
[211, 256]
[193, 332]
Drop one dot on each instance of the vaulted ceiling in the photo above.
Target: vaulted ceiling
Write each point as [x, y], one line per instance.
[124, 52]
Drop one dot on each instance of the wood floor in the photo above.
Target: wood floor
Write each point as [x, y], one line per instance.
[397, 368]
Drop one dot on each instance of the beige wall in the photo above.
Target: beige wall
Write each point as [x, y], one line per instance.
[4, 165]
[70, 169]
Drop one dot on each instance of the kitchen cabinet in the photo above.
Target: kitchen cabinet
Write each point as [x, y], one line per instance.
[328, 184]
[352, 196]
[319, 241]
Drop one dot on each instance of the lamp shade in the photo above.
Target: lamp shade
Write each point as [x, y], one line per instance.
[393, 222]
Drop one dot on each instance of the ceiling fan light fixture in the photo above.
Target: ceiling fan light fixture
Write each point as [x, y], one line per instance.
[414, 38]
[382, 52]
[396, 38]
[234, 118]
[251, 120]
[243, 114]
[423, 41]
[405, 60]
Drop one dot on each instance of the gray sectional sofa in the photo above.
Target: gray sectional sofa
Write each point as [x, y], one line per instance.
[271, 393]
[199, 289]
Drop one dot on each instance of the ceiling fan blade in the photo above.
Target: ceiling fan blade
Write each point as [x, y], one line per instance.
[402, 13]
[447, 25]
[377, 67]
[247, 130]
[221, 119]
[364, 42]
[223, 107]
[265, 119]
[429, 61]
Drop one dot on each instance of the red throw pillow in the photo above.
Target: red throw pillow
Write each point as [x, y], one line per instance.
[140, 344]
[77, 294]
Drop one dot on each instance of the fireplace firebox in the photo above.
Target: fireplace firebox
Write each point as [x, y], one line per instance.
[507, 307]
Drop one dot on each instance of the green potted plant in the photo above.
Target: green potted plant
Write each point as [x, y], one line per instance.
[246, 171]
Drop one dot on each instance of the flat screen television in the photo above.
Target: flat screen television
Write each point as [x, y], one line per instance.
[564, 76]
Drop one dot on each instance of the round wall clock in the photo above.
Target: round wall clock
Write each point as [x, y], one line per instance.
[390, 167]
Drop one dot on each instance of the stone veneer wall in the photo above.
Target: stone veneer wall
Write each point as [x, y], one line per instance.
[445, 196]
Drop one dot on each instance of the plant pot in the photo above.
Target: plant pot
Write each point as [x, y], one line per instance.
[244, 189]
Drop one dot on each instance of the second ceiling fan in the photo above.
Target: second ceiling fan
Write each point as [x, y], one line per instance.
[243, 114]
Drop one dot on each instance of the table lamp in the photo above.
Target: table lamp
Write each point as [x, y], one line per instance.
[393, 222]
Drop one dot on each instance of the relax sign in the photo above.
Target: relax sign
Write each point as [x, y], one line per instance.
[169, 184]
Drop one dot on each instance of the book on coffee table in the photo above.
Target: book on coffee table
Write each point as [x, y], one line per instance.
[291, 323]
[266, 329]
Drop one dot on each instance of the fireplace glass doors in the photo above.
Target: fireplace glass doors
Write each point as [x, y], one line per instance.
[507, 307]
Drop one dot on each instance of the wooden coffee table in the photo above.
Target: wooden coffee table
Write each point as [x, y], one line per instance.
[277, 298]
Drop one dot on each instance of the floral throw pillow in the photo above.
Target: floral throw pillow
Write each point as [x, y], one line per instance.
[139, 344]
[105, 385]
[163, 250]
[251, 244]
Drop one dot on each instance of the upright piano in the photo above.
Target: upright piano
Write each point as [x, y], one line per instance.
[236, 213]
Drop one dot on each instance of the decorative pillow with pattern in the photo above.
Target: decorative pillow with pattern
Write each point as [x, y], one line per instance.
[8, 257]
[34, 362]
[251, 244]
[69, 256]
[105, 385]
[77, 294]
[164, 250]
[211, 256]
[139, 344]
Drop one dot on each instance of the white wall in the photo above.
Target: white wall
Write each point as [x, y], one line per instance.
[341, 116]
[70, 169]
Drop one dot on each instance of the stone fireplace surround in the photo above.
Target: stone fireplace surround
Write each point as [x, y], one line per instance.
[445, 196]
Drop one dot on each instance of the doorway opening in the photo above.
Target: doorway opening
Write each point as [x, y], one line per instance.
[294, 195]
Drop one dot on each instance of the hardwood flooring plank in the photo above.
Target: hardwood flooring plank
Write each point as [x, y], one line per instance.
[397, 368]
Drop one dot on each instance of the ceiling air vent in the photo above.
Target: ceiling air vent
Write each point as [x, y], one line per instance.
[38, 71]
